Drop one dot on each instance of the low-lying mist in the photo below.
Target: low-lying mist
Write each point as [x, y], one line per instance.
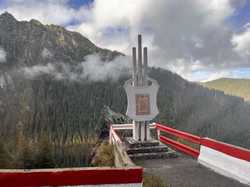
[92, 69]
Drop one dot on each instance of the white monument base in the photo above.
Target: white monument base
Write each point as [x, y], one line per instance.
[141, 131]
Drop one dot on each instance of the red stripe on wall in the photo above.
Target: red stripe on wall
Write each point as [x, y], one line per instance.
[64, 177]
[181, 147]
[181, 134]
[234, 151]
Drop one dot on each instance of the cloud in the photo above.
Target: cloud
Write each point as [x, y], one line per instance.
[183, 36]
[46, 53]
[190, 37]
[241, 42]
[2, 55]
[111, 26]
[216, 75]
[97, 70]
[47, 11]
[91, 69]
[38, 70]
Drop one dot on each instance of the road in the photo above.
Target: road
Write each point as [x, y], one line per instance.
[186, 172]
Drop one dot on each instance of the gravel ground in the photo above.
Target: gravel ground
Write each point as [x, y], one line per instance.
[186, 172]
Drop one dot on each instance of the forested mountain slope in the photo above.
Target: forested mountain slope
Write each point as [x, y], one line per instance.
[48, 86]
[237, 87]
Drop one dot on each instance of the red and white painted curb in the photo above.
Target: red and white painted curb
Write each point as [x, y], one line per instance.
[108, 177]
[226, 159]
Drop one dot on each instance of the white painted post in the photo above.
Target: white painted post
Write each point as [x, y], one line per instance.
[136, 130]
[135, 76]
[140, 82]
[110, 134]
[148, 132]
[143, 134]
[145, 66]
[158, 134]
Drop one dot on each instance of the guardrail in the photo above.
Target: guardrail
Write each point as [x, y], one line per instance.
[232, 150]
[112, 177]
[175, 144]
[228, 160]
[127, 175]
[113, 137]
[121, 157]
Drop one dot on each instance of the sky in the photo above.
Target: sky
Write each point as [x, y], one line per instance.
[199, 40]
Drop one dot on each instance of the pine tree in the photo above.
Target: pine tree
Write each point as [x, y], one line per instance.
[4, 157]
[44, 157]
[24, 156]
[28, 156]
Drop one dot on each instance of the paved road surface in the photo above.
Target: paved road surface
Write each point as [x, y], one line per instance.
[186, 172]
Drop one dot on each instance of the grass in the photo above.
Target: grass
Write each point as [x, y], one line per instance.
[236, 87]
[188, 143]
[104, 155]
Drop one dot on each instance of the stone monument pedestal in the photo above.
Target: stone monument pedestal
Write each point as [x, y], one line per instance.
[141, 131]
[148, 149]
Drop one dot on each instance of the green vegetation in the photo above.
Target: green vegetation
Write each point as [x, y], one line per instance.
[104, 155]
[27, 153]
[188, 143]
[4, 156]
[236, 87]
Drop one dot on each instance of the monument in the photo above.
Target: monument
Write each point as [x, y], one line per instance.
[141, 93]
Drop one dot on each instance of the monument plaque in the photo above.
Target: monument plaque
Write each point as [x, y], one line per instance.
[142, 105]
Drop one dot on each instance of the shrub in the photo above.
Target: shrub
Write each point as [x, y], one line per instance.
[104, 155]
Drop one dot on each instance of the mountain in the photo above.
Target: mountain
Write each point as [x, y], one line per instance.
[36, 95]
[236, 87]
[29, 43]
[57, 83]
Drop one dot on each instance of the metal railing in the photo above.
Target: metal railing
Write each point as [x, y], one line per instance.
[185, 148]
[176, 144]
[121, 157]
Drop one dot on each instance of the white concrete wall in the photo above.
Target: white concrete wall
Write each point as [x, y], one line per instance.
[225, 164]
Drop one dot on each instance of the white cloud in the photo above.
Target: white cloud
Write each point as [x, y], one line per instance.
[184, 36]
[179, 33]
[116, 15]
[5, 79]
[97, 70]
[46, 53]
[38, 70]
[2, 55]
[46, 11]
[2, 82]
[92, 69]
[216, 75]
[241, 42]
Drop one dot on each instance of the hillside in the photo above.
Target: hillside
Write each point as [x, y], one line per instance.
[236, 87]
[57, 83]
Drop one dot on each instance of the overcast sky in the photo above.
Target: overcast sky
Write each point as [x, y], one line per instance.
[198, 39]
